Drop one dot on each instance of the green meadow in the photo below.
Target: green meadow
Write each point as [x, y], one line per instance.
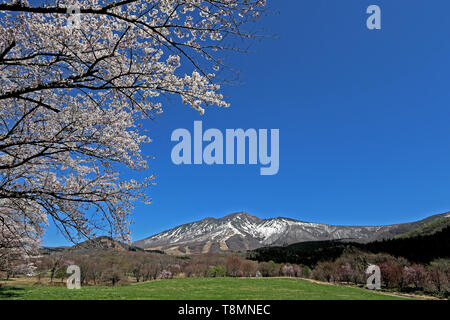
[200, 289]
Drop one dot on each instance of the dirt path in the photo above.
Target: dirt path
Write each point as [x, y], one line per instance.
[389, 293]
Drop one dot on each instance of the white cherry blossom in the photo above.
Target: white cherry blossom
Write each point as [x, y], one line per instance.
[72, 100]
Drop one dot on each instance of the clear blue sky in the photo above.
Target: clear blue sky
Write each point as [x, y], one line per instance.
[363, 118]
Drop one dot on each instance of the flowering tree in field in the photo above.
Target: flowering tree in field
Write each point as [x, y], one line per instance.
[415, 276]
[288, 271]
[76, 78]
[18, 242]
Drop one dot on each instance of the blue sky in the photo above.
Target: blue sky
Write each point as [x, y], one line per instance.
[363, 118]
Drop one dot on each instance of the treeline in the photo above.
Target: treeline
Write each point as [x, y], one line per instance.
[104, 267]
[109, 267]
[304, 253]
[420, 249]
[397, 273]
[112, 267]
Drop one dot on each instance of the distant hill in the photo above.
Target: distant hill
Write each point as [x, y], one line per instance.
[428, 228]
[51, 250]
[242, 231]
[99, 243]
[104, 243]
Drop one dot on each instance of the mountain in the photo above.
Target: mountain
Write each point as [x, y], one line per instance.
[104, 243]
[242, 231]
[51, 250]
[99, 243]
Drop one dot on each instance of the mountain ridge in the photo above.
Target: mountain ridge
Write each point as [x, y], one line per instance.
[241, 231]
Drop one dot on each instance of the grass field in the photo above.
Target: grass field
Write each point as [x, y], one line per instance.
[201, 289]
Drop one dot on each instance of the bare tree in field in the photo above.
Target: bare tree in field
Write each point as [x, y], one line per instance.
[74, 88]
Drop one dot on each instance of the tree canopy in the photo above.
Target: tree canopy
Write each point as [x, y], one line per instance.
[76, 79]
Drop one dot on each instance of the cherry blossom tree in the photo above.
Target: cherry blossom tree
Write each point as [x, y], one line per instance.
[288, 271]
[77, 80]
[18, 245]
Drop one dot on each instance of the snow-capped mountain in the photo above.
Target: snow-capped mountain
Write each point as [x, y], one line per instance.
[241, 231]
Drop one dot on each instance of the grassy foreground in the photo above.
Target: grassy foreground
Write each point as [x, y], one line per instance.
[201, 289]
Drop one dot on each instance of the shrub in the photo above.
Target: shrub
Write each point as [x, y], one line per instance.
[306, 272]
[217, 271]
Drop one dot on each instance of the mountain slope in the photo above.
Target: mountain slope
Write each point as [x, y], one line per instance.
[241, 231]
[104, 243]
[418, 248]
[429, 228]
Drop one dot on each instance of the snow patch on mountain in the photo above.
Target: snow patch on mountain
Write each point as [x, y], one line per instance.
[243, 231]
